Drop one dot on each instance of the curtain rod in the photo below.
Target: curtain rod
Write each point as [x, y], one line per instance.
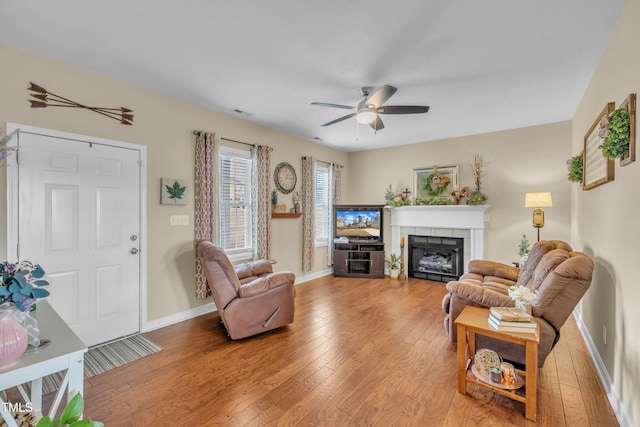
[323, 161]
[198, 132]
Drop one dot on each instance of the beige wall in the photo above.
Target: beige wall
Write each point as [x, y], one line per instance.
[605, 220]
[517, 161]
[164, 125]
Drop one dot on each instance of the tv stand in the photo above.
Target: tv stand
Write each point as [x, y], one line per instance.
[358, 259]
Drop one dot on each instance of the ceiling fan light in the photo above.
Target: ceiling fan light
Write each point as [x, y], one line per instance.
[366, 116]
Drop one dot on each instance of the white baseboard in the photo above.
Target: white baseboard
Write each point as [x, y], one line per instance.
[178, 317]
[211, 307]
[614, 399]
[313, 276]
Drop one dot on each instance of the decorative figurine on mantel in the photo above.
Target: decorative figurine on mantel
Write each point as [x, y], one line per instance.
[402, 276]
[396, 199]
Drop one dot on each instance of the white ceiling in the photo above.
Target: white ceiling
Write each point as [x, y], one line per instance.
[480, 65]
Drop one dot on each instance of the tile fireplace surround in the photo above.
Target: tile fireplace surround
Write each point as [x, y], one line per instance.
[463, 221]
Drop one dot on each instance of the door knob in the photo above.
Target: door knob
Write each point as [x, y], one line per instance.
[133, 251]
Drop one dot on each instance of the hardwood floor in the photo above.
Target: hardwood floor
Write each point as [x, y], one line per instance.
[360, 352]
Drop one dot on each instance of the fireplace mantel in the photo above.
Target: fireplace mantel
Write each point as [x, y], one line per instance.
[447, 220]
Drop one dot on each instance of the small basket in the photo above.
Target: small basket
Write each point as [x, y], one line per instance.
[486, 359]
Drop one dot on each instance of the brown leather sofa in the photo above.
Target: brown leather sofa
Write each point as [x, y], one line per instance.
[560, 275]
[250, 297]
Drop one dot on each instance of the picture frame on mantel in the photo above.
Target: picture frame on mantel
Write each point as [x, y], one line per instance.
[597, 169]
[419, 174]
[629, 104]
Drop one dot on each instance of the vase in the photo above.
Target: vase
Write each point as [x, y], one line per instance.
[523, 305]
[13, 337]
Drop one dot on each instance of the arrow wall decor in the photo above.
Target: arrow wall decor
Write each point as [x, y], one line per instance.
[44, 99]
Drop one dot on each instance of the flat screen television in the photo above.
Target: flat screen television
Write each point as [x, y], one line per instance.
[358, 222]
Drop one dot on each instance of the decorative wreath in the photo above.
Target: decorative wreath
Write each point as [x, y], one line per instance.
[435, 184]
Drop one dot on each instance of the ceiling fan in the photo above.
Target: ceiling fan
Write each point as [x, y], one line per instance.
[366, 112]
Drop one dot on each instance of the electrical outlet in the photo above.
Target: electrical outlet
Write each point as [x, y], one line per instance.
[604, 334]
[178, 220]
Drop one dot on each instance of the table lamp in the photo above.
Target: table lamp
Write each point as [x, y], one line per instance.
[538, 201]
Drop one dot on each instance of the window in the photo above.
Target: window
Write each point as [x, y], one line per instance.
[235, 203]
[322, 215]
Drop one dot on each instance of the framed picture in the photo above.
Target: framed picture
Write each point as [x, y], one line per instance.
[630, 105]
[446, 176]
[597, 168]
[173, 191]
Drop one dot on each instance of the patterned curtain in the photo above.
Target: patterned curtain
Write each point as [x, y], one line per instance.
[261, 202]
[335, 193]
[308, 213]
[205, 199]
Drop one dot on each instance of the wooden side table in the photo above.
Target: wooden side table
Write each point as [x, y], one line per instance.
[475, 320]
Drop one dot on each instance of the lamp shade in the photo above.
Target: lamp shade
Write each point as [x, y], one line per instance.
[537, 200]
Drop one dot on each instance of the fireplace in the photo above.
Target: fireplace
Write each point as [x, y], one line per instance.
[440, 259]
[463, 221]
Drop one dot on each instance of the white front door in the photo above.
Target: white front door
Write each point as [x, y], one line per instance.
[78, 217]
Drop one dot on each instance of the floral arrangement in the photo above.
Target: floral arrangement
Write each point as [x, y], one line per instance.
[478, 170]
[22, 284]
[522, 294]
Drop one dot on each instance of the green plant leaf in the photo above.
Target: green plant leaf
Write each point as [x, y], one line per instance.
[86, 423]
[45, 422]
[176, 191]
[73, 411]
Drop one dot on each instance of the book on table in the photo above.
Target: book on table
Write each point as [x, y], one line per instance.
[504, 326]
[510, 314]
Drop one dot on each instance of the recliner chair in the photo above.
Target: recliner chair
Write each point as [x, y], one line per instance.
[560, 275]
[250, 297]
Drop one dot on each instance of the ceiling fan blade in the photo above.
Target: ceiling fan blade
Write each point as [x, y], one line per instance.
[332, 122]
[381, 96]
[325, 104]
[402, 109]
[377, 124]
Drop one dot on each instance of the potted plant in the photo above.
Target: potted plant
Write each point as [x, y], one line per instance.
[71, 416]
[575, 165]
[617, 141]
[393, 262]
[274, 199]
[523, 250]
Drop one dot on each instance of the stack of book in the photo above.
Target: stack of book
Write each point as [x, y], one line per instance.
[511, 319]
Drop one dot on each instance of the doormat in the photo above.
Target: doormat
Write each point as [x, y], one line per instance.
[106, 357]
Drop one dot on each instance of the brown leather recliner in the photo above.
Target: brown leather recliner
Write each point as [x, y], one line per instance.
[560, 275]
[250, 297]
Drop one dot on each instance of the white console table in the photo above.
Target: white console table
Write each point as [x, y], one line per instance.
[65, 353]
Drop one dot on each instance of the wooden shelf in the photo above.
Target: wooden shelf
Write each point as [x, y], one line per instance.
[285, 214]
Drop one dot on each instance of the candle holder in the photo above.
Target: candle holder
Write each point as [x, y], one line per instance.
[402, 275]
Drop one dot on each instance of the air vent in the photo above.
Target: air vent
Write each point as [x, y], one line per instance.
[241, 112]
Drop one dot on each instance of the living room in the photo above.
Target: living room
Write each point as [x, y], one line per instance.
[519, 160]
